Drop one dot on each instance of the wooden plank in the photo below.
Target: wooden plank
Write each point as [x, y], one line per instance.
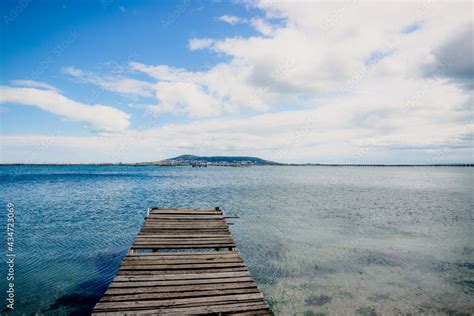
[184, 217]
[183, 254]
[170, 295]
[184, 212]
[178, 225]
[159, 272]
[171, 260]
[192, 255]
[184, 266]
[222, 308]
[185, 235]
[195, 228]
[190, 276]
[204, 221]
[128, 262]
[184, 239]
[180, 302]
[180, 288]
[158, 246]
[187, 227]
[184, 243]
[165, 213]
[183, 209]
[185, 223]
[183, 228]
[177, 232]
[179, 282]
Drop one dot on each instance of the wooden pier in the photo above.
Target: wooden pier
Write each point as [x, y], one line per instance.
[183, 262]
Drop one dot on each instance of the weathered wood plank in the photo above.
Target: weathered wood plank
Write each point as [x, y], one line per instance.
[158, 246]
[225, 254]
[171, 295]
[189, 276]
[159, 272]
[203, 244]
[183, 254]
[184, 241]
[196, 310]
[185, 212]
[186, 225]
[179, 282]
[186, 266]
[184, 217]
[128, 262]
[188, 235]
[183, 229]
[203, 221]
[179, 302]
[180, 288]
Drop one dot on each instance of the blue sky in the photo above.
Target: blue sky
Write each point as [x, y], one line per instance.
[92, 81]
[101, 36]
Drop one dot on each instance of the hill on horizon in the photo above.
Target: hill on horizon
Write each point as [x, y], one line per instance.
[221, 159]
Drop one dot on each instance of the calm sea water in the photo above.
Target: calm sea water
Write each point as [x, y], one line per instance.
[336, 240]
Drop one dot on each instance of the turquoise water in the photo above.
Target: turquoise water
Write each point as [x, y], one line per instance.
[338, 240]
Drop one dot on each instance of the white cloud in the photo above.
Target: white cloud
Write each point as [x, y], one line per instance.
[262, 26]
[122, 85]
[185, 97]
[160, 72]
[321, 135]
[73, 71]
[98, 117]
[200, 43]
[231, 19]
[34, 84]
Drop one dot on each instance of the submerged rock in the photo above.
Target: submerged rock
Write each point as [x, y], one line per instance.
[318, 300]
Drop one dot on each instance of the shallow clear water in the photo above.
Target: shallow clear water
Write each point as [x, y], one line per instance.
[351, 240]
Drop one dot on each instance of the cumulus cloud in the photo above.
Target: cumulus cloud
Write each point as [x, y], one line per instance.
[99, 117]
[309, 51]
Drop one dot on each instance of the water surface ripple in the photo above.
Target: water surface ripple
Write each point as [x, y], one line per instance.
[338, 240]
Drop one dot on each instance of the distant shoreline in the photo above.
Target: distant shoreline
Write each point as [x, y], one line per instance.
[234, 162]
[275, 164]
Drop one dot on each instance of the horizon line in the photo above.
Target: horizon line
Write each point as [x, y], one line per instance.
[156, 164]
